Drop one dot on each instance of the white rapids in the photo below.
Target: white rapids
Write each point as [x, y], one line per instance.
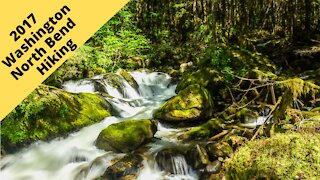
[76, 157]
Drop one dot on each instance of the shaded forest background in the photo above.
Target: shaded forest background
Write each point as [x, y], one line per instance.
[164, 34]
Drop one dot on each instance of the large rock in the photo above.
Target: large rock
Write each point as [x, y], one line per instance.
[49, 112]
[204, 131]
[197, 156]
[208, 78]
[126, 136]
[132, 82]
[113, 80]
[220, 149]
[126, 168]
[192, 103]
[211, 170]
[288, 155]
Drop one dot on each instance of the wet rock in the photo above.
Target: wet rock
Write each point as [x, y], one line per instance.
[114, 80]
[211, 170]
[197, 157]
[221, 149]
[172, 161]
[207, 176]
[204, 131]
[246, 115]
[51, 112]
[192, 103]
[98, 86]
[82, 172]
[78, 158]
[185, 66]
[126, 168]
[213, 167]
[126, 136]
[129, 79]
[2, 152]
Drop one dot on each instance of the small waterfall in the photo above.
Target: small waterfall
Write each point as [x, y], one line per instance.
[76, 157]
[180, 165]
[79, 86]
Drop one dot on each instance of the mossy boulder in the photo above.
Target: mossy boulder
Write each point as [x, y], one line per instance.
[113, 80]
[197, 157]
[204, 131]
[211, 170]
[49, 112]
[192, 103]
[220, 149]
[126, 136]
[289, 155]
[208, 78]
[99, 86]
[126, 168]
[132, 82]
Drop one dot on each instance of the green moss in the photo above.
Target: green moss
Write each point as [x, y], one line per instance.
[208, 78]
[284, 156]
[114, 80]
[126, 168]
[220, 149]
[192, 103]
[249, 60]
[49, 112]
[204, 131]
[129, 79]
[126, 136]
[310, 121]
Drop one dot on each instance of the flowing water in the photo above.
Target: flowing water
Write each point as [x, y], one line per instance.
[76, 157]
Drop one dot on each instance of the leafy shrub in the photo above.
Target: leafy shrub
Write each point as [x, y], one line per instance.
[117, 44]
[220, 59]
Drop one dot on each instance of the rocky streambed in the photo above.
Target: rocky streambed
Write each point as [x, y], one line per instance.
[152, 129]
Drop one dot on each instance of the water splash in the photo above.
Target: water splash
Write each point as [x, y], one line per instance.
[76, 157]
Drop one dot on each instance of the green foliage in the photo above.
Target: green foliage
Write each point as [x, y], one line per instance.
[120, 38]
[220, 59]
[86, 62]
[299, 87]
[117, 44]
